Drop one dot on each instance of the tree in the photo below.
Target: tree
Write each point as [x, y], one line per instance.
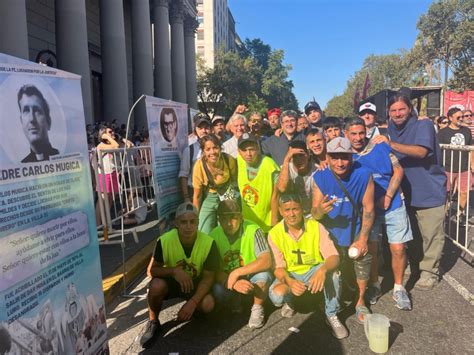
[447, 37]
[255, 75]
[385, 72]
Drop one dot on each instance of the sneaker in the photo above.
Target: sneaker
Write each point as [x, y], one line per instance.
[257, 316]
[373, 294]
[287, 311]
[402, 300]
[148, 333]
[426, 283]
[338, 330]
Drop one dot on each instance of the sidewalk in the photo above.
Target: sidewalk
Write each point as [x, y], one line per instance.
[441, 321]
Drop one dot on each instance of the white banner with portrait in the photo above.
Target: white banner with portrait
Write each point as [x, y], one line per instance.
[51, 299]
[168, 129]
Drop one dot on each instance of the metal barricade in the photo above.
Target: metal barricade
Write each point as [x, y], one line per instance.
[123, 180]
[458, 208]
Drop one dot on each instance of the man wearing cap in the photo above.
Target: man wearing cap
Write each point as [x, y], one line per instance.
[184, 263]
[273, 116]
[390, 209]
[218, 128]
[245, 260]
[257, 177]
[277, 147]
[296, 174]
[238, 126]
[305, 260]
[368, 112]
[313, 113]
[343, 200]
[202, 127]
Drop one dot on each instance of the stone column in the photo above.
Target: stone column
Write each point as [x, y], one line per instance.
[190, 25]
[163, 84]
[114, 61]
[72, 46]
[178, 63]
[14, 33]
[142, 55]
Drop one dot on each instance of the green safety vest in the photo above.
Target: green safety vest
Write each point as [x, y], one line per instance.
[173, 252]
[239, 253]
[299, 255]
[256, 195]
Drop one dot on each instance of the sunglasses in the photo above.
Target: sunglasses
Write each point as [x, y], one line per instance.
[466, 116]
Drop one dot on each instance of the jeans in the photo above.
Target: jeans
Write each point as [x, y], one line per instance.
[331, 290]
[208, 213]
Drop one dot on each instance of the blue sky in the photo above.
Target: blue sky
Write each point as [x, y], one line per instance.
[326, 41]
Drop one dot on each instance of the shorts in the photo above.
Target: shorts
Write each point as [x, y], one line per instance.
[174, 289]
[111, 183]
[350, 268]
[459, 180]
[398, 226]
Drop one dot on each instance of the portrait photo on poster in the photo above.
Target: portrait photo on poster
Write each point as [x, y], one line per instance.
[169, 126]
[32, 121]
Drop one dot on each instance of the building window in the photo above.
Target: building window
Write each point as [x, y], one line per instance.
[200, 35]
[200, 2]
[200, 51]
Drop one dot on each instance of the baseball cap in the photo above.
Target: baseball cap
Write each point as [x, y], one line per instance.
[246, 137]
[198, 119]
[186, 207]
[312, 105]
[229, 207]
[339, 145]
[368, 106]
[273, 111]
[298, 145]
[217, 118]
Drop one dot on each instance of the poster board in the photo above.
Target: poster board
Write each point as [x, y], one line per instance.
[51, 298]
[168, 130]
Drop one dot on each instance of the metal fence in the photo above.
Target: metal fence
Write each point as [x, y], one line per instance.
[123, 181]
[459, 222]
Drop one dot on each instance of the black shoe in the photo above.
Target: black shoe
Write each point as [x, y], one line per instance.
[149, 332]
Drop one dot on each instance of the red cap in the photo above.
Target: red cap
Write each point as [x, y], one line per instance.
[273, 111]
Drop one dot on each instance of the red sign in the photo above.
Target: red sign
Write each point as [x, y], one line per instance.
[463, 100]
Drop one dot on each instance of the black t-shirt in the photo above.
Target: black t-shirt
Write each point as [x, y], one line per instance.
[461, 136]
[211, 263]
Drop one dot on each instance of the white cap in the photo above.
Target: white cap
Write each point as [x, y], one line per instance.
[368, 106]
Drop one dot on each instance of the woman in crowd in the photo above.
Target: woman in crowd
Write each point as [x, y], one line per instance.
[441, 122]
[107, 183]
[214, 178]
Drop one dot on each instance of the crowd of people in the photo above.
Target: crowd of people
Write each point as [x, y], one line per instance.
[293, 204]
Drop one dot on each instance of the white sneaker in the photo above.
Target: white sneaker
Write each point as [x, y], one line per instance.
[287, 311]
[338, 329]
[257, 316]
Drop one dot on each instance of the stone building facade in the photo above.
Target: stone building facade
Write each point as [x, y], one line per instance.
[121, 48]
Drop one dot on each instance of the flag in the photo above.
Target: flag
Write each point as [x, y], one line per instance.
[366, 87]
[356, 99]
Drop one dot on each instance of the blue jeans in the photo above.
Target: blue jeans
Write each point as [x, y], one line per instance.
[331, 290]
[223, 295]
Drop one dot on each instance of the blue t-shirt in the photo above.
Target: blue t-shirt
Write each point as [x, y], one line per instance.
[379, 163]
[338, 221]
[424, 183]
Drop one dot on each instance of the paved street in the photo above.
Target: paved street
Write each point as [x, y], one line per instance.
[441, 322]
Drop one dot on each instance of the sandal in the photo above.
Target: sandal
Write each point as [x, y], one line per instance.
[361, 311]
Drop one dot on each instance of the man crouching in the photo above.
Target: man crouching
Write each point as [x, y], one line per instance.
[305, 260]
[184, 264]
[245, 261]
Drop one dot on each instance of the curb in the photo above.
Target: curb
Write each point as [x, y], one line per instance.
[112, 285]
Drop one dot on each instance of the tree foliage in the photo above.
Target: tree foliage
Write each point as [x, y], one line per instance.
[447, 37]
[385, 71]
[254, 75]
